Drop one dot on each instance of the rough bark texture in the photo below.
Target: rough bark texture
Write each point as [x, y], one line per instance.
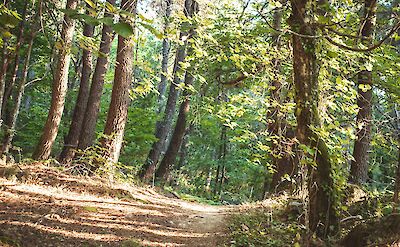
[118, 111]
[9, 134]
[88, 129]
[14, 70]
[170, 156]
[164, 126]
[59, 89]
[165, 57]
[72, 139]
[169, 159]
[322, 217]
[359, 166]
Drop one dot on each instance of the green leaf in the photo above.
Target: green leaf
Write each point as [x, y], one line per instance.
[123, 29]
[107, 21]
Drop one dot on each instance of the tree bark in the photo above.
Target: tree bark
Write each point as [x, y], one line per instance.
[164, 126]
[397, 173]
[118, 110]
[72, 139]
[20, 39]
[359, 166]
[168, 161]
[88, 129]
[10, 132]
[59, 90]
[184, 149]
[165, 57]
[322, 219]
[4, 66]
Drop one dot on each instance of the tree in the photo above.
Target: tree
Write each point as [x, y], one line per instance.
[163, 127]
[321, 211]
[165, 56]
[180, 127]
[72, 139]
[59, 90]
[118, 110]
[359, 166]
[93, 105]
[4, 95]
[10, 128]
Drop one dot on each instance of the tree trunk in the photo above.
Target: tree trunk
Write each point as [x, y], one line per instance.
[165, 56]
[164, 126]
[397, 180]
[184, 149]
[118, 111]
[9, 134]
[169, 159]
[179, 131]
[88, 129]
[4, 66]
[359, 166]
[72, 139]
[59, 90]
[322, 218]
[20, 39]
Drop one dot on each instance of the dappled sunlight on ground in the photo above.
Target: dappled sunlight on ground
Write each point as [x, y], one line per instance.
[55, 209]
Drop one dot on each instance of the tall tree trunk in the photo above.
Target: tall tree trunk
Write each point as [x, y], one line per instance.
[169, 159]
[4, 67]
[59, 90]
[118, 111]
[184, 149]
[88, 129]
[164, 126]
[222, 160]
[9, 134]
[359, 166]
[322, 219]
[72, 139]
[397, 179]
[170, 156]
[165, 57]
[20, 39]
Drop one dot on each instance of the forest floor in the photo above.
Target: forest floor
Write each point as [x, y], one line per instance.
[43, 206]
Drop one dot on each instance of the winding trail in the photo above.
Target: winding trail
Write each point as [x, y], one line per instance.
[51, 208]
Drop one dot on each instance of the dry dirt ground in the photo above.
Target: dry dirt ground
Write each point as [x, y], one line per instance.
[47, 207]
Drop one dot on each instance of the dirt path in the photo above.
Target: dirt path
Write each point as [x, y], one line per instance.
[51, 208]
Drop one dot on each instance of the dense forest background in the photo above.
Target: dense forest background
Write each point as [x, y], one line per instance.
[230, 101]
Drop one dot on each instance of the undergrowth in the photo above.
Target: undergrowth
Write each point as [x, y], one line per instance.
[264, 227]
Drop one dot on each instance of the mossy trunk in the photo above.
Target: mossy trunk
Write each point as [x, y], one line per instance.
[322, 218]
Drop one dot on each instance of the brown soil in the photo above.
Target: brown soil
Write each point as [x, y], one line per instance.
[46, 207]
